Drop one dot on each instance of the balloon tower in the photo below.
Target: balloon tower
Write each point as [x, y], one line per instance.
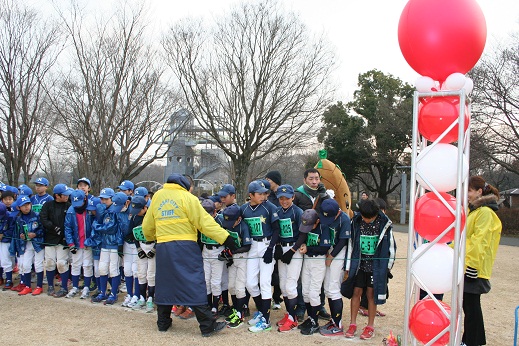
[441, 40]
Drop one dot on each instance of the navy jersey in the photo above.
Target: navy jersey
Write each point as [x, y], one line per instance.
[260, 218]
[340, 228]
[319, 236]
[289, 221]
[240, 233]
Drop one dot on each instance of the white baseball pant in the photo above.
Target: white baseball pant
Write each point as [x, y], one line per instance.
[312, 277]
[289, 274]
[213, 269]
[259, 273]
[31, 256]
[56, 257]
[130, 259]
[109, 263]
[238, 275]
[333, 276]
[83, 258]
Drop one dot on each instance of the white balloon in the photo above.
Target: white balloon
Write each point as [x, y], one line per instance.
[439, 165]
[469, 85]
[424, 84]
[455, 81]
[435, 268]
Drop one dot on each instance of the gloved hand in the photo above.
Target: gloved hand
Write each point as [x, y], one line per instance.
[321, 189]
[57, 230]
[73, 249]
[229, 263]
[151, 254]
[141, 253]
[278, 252]
[287, 256]
[225, 255]
[471, 273]
[120, 251]
[267, 256]
[230, 244]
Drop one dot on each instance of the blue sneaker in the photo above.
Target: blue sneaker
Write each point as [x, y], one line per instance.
[255, 318]
[112, 298]
[99, 298]
[261, 326]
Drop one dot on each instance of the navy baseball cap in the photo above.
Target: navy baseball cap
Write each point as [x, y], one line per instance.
[62, 189]
[24, 190]
[77, 198]
[22, 200]
[126, 185]
[118, 201]
[257, 186]
[230, 215]
[226, 190]
[208, 205]
[285, 191]
[215, 198]
[265, 183]
[138, 202]
[83, 180]
[141, 191]
[329, 210]
[92, 203]
[106, 193]
[42, 181]
[308, 220]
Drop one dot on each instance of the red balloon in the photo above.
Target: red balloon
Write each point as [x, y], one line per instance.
[426, 320]
[440, 37]
[432, 217]
[436, 114]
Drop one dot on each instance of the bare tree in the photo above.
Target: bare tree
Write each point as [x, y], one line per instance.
[255, 81]
[114, 103]
[29, 47]
[495, 134]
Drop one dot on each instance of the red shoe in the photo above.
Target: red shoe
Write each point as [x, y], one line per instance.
[282, 321]
[179, 310]
[287, 326]
[15, 268]
[187, 314]
[18, 288]
[367, 333]
[380, 313]
[25, 291]
[37, 291]
[350, 333]
[363, 312]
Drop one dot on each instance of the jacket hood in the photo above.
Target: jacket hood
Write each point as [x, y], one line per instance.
[485, 201]
[179, 179]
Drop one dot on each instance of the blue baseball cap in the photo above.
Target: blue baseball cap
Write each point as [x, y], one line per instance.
[230, 215]
[308, 220]
[138, 202]
[329, 210]
[92, 203]
[285, 191]
[13, 189]
[107, 193]
[83, 180]
[62, 189]
[22, 200]
[226, 190]
[2, 186]
[257, 186]
[24, 190]
[126, 185]
[266, 183]
[208, 205]
[42, 181]
[215, 198]
[77, 198]
[140, 191]
[118, 201]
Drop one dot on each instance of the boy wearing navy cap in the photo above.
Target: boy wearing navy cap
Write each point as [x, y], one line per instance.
[41, 196]
[227, 195]
[6, 235]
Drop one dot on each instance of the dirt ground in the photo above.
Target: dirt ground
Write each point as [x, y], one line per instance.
[44, 320]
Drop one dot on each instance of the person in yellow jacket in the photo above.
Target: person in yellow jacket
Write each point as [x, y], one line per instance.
[483, 235]
[173, 220]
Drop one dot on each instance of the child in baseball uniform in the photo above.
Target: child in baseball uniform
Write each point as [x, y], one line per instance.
[41, 196]
[95, 210]
[6, 236]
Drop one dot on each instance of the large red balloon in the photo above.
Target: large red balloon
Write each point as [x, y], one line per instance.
[436, 114]
[440, 37]
[427, 320]
[432, 217]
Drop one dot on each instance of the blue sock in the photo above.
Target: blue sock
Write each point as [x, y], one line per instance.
[87, 281]
[98, 281]
[129, 284]
[9, 276]
[39, 279]
[64, 280]
[50, 277]
[27, 279]
[75, 281]
[103, 282]
[136, 288]
[116, 281]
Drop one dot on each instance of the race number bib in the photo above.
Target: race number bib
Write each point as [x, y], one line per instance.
[368, 244]
[36, 208]
[236, 238]
[332, 236]
[312, 240]
[137, 233]
[255, 226]
[285, 228]
[206, 240]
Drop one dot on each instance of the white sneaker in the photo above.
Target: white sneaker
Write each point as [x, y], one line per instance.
[72, 293]
[140, 303]
[262, 325]
[132, 302]
[85, 294]
[122, 287]
[127, 300]
[149, 305]
[255, 318]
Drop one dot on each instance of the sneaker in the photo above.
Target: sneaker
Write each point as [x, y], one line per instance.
[61, 293]
[235, 322]
[85, 293]
[350, 333]
[313, 327]
[367, 333]
[112, 298]
[231, 316]
[327, 325]
[287, 326]
[149, 305]
[363, 311]
[332, 330]
[8, 286]
[260, 326]
[282, 321]
[218, 326]
[25, 291]
[323, 314]
[37, 291]
[179, 311]
[225, 310]
[133, 302]
[187, 314]
[305, 324]
[276, 306]
[18, 288]
[122, 287]
[50, 291]
[127, 300]
[72, 293]
[140, 304]
[255, 318]
[99, 298]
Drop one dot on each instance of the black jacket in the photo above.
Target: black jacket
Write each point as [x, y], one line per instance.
[304, 202]
[52, 217]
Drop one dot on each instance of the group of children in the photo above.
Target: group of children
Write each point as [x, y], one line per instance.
[77, 233]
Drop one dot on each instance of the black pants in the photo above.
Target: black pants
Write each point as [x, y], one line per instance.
[474, 327]
[202, 312]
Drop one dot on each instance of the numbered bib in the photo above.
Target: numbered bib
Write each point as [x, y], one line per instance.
[368, 244]
[206, 240]
[236, 238]
[26, 232]
[332, 236]
[312, 240]
[255, 226]
[36, 208]
[137, 233]
[285, 228]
